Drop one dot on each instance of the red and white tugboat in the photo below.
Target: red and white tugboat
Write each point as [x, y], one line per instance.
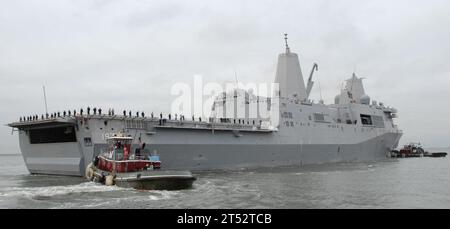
[415, 150]
[117, 166]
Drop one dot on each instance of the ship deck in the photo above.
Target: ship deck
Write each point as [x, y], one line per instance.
[148, 123]
[54, 122]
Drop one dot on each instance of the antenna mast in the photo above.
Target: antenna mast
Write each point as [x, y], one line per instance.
[236, 80]
[320, 91]
[45, 100]
[285, 41]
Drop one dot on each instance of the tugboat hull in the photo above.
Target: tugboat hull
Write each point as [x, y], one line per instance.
[156, 180]
[147, 180]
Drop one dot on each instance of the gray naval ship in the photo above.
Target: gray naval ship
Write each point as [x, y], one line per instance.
[353, 129]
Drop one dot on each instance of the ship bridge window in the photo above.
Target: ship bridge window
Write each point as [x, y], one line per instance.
[52, 135]
[87, 141]
[286, 115]
[378, 121]
[319, 117]
[366, 119]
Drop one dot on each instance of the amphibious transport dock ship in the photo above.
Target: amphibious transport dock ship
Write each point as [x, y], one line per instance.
[353, 129]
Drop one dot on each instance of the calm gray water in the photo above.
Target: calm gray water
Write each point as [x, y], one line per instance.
[403, 183]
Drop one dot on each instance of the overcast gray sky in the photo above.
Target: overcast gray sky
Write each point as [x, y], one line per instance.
[128, 54]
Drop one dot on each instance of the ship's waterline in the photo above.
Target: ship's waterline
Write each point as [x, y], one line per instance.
[385, 184]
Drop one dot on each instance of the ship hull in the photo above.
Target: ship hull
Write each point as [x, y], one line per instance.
[54, 158]
[239, 156]
[71, 158]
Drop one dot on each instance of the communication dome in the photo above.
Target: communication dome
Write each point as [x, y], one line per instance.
[250, 91]
[365, 99]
